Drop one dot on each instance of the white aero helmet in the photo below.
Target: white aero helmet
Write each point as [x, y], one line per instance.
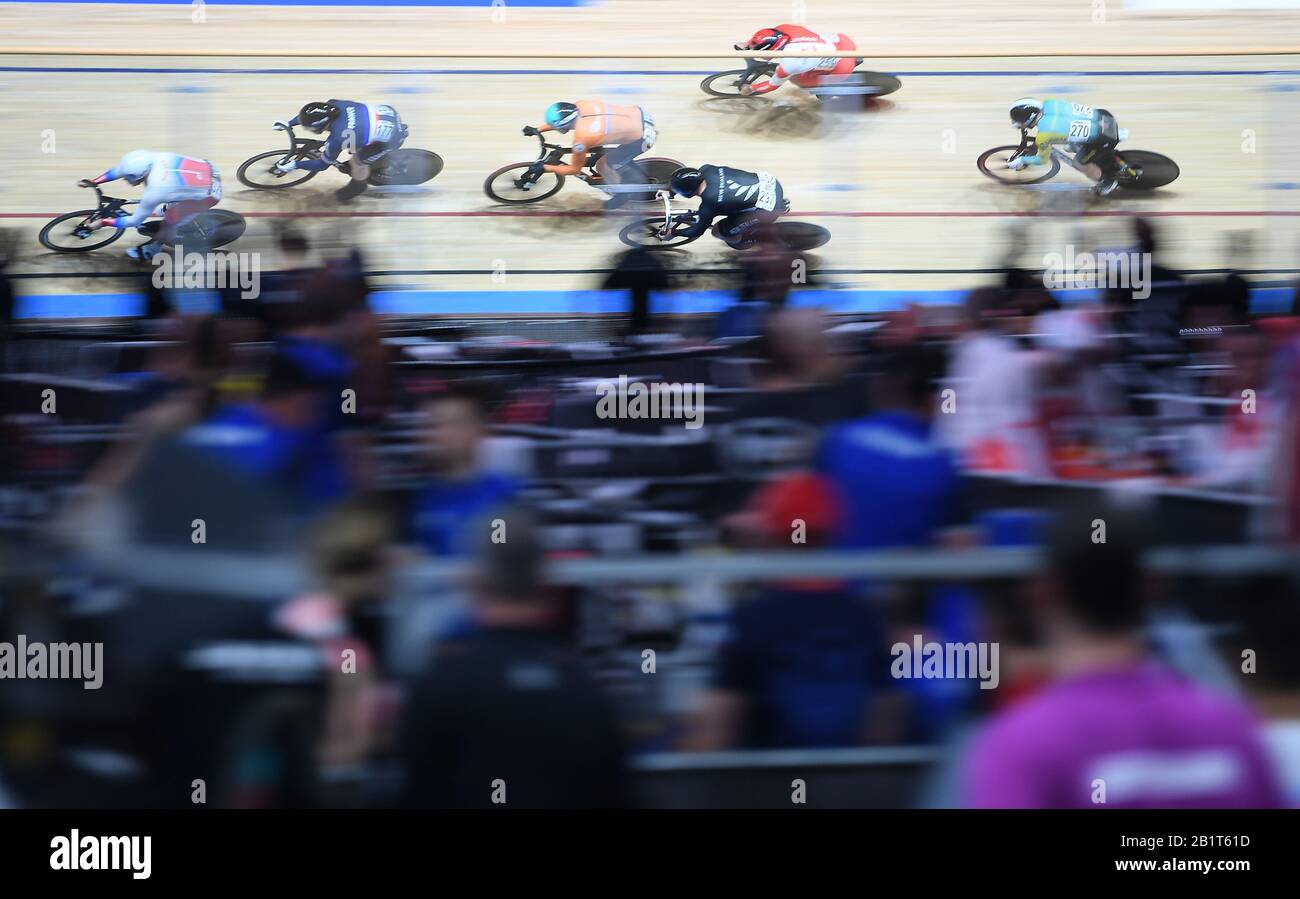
[134, 166]
[1026, 112]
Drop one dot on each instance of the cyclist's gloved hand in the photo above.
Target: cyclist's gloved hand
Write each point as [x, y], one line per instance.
[530, 131]
[280, 126]
[85, 182]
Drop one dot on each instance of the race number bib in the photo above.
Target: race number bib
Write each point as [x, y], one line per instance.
[766, 191]
[383, 132]
[649, 134]
[1080, 109]
[1080, 129]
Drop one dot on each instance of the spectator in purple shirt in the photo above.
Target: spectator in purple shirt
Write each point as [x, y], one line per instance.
[1115, 728]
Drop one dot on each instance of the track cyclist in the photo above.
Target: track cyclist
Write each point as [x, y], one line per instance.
[366, 131]
[1091, 132]
[812, 71]
[624, 131]
[744, 201]
[183, 185]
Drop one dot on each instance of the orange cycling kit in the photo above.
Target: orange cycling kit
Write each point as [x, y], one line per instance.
[628, 130]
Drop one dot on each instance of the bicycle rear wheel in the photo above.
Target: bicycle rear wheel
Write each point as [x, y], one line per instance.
[65, 235]
[507, 185]
[1154, 170]
[994, 164]
[214, 228]
[859, 84]
[654, 170]
[802, 235]
[406, 167]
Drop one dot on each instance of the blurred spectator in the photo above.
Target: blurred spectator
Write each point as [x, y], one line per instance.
[1116, 726]
[1270, 618]
[767, 274]
[802, 379]
[1239, 450]
[992, 421]
[279, 290]
[508, 716]
[804, 663]
[349, 556]
[896, 484]
[459, 491]
[640, 272]
[798, 351]
[278, 438]
[1156, 319]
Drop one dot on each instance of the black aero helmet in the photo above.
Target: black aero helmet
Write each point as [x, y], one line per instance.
[317, 116]
[1026, 112]
[686, 182]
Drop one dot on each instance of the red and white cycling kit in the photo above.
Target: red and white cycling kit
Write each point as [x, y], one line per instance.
[184, 185]
[816, 68]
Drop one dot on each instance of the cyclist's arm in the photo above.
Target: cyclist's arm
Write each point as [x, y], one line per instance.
[775, 80]
[152, 199]
[110, 175]
[577, 159]
[703, 220]
[1043, 141]
[329, 155]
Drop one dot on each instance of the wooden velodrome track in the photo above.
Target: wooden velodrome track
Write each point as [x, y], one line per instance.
[895, 183]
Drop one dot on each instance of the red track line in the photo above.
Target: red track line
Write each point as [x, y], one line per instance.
[561, 213]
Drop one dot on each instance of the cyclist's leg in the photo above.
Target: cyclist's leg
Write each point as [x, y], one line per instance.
[177, 214]
[611, 164]
[1105, 155]
[845, 65]
[737, 231]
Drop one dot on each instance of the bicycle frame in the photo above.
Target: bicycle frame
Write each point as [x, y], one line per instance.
[308, 148]
[757, 68]
[1058, 153]
[671, 218]
[553, 154]
[106, 206]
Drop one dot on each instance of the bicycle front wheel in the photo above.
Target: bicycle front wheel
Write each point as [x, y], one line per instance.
[994, 163]
[66, 235]
[508, 185]
[645, 233]
[256, 172]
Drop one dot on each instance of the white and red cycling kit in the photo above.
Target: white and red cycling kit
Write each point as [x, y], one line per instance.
[816, 68]
[184, 185]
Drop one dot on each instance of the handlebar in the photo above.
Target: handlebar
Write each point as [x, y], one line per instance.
[105, 203]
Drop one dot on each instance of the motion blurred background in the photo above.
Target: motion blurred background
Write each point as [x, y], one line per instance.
[344, 553]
